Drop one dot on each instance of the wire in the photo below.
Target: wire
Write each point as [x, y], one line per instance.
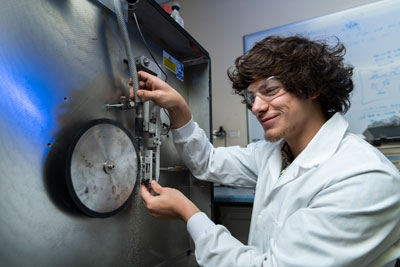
[128, 48]
[158, 65]
[164, 124]
[166, 113]
[148, 49]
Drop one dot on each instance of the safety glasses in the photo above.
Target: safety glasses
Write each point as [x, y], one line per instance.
[269, 89]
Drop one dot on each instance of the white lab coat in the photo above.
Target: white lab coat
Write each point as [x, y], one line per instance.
[337, 204]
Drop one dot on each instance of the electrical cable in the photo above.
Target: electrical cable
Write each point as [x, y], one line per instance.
[133, 72]
[151, 54]
[128, 48]
[147, 47]
[168, 126]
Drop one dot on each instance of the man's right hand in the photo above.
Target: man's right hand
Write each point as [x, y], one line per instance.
[152, 88]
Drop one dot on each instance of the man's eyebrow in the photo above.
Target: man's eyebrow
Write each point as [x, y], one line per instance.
[264, 85]
[268, 82]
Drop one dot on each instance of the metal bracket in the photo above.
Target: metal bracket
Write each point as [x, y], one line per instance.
[146, 166]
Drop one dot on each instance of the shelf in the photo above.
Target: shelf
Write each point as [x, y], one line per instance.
[162, 29]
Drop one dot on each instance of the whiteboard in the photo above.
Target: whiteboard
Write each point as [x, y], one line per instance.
[371, 34]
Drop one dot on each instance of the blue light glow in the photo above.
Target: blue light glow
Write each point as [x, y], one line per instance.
[25, 99]
[23, 103]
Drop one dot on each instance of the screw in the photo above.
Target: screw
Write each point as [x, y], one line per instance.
[108, 166]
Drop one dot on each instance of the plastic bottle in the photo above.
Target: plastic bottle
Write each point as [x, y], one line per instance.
[175, 13]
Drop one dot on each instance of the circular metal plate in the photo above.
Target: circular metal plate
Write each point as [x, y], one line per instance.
[102, 167]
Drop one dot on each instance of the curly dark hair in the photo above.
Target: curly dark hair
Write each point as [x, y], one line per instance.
[306, 68]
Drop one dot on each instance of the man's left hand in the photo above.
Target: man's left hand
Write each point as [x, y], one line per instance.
[167, 203]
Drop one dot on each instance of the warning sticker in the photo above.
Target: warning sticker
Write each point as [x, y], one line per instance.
[173, 65]
[179, 71]
[169, 64]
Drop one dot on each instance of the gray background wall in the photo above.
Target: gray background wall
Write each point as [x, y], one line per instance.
[220, 26]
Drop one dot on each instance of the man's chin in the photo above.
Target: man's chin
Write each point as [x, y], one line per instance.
[272, 137]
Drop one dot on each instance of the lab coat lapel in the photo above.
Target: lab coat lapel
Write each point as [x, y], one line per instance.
[321, 148]
[275, 163]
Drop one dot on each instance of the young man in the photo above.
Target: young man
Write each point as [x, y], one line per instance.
[324, 197]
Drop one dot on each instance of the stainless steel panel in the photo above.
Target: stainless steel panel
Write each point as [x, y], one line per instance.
[61, 62]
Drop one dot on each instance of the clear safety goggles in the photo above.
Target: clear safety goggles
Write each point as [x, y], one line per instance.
[270, 89]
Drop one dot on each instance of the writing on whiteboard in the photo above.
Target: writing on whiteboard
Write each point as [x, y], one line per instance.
[380, 90]
[379, 84]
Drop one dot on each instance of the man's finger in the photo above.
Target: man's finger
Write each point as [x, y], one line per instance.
[146, 196]
[131, 93]
[156, 187]
[142, 85]
[144, 76]
[145, 95]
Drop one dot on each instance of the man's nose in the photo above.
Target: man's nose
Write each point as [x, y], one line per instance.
[259, 106]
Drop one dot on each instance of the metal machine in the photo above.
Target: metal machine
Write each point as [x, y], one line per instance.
[74, 148]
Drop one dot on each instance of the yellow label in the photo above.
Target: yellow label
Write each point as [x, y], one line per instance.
[169, 64]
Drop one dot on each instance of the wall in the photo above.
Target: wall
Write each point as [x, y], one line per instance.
[220, 26]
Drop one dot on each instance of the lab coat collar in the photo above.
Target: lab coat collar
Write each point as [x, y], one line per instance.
[321, 148]
[324, 143]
